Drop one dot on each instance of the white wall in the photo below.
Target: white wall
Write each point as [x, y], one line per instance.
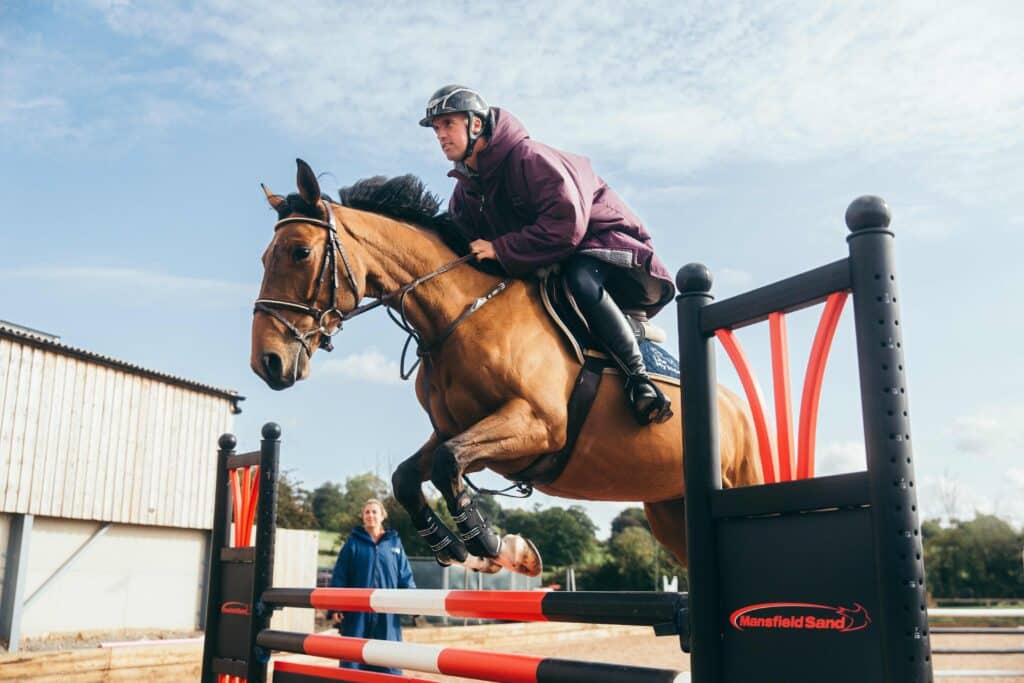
[138, 577]
[132, 577]
[294, 567]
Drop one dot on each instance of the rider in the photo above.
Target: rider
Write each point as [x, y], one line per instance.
[527, 205]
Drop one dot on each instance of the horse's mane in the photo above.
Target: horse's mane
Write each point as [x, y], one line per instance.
[406, 198]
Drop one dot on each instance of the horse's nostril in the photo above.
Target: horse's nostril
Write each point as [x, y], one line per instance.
[272, 365]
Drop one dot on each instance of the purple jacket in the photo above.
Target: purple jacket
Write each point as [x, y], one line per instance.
[539, 205]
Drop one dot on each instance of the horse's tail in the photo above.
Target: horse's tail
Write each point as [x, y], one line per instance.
[741, 467]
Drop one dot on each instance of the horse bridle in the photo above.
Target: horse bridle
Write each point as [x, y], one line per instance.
[323, 318]
[320, 317]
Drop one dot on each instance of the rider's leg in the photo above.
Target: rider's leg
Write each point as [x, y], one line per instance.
[586, 277]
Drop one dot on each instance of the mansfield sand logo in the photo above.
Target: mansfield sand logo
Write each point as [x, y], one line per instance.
[800, 616]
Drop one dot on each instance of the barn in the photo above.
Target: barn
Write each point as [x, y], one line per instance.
[106, 477]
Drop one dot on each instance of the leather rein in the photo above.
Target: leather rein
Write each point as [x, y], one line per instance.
[329, 321]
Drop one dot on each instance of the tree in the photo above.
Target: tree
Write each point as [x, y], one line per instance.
[327, 501]
[629, 564]
[293, 505]
[563, 536]
[976, 558]
[628, 518]
[358, 490]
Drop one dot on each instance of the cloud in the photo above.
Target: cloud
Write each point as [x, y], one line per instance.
[951, 496]
[729, 281]
[368, 366]
[996, 431]
[665, 90]
[976, 434]
[840, 456]
[133, 285]
[924, 222]
[672, 194]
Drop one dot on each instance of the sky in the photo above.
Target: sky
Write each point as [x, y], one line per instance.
[134, 137]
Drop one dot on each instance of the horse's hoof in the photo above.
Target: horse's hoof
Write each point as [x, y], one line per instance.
[520, 555]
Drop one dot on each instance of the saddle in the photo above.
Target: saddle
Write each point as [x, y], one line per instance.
[594, 364]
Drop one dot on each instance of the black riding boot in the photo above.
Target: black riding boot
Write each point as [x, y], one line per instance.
[608, 323]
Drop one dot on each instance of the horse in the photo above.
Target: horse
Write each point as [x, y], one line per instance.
[496, 376]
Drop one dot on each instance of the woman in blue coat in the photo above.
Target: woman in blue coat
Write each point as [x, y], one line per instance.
[372, 557]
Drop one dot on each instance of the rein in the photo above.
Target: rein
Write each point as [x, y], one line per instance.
[323, 319]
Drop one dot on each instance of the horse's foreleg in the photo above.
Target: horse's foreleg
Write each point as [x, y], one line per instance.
[513, 431]
[407, 484]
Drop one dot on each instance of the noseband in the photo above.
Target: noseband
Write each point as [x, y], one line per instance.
[323, 319]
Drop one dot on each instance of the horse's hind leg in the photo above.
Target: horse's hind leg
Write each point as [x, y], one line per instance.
[513, 431]
[407, 484]
[668, 524]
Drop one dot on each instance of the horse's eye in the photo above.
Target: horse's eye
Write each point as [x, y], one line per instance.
[300, 253]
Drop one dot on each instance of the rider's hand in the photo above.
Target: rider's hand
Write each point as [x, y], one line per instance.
[336, 618]
[483, 250]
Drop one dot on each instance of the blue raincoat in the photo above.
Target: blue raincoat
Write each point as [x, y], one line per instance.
[365, 564]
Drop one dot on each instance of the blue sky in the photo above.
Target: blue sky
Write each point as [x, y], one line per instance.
[134, 136]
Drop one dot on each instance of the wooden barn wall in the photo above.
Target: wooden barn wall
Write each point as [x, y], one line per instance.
[85, 441]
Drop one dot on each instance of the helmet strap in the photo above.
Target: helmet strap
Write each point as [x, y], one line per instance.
[470, 117]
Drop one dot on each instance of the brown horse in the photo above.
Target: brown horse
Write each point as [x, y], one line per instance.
[495, 385]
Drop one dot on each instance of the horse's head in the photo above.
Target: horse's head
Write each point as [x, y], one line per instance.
[308, 285]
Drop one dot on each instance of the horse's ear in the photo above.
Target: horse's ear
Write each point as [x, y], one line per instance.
[309, 186]
[275, 200]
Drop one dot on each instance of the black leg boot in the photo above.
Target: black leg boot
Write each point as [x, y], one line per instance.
[446, 546]
[474, 531]
[609, 325]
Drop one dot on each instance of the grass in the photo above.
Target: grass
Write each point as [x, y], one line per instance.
[328, 546]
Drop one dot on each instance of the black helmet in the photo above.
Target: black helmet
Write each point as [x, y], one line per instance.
[453, 99]
[458, 99]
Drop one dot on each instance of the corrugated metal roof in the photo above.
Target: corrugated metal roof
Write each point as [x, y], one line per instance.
[51, 343]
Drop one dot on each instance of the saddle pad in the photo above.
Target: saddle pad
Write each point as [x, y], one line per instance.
[559, 304]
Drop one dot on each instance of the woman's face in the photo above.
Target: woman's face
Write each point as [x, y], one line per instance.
[373, 516]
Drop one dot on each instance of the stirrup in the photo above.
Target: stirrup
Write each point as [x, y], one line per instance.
[660, 409]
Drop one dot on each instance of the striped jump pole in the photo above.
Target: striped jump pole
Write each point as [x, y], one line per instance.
[295, 672]
[666, 612]
[238, 643]
[499, 667]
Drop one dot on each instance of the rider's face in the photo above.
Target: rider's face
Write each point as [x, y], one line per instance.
[452, 135]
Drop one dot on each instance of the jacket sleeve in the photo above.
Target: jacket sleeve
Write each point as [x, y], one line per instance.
[341, 576]
[561, 213]
[405, 577]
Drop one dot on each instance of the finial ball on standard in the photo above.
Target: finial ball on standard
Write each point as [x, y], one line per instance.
[866, 212]
[694, 277]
